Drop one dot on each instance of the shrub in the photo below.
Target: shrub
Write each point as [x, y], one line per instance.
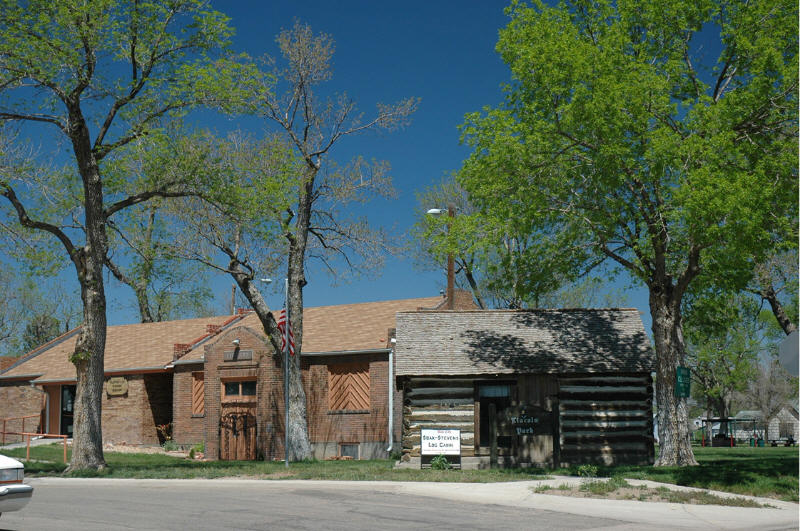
[440, 463]
[587, 471]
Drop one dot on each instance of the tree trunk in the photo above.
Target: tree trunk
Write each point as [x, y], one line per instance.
[673, 425]
[87, 443]
[299, 442]
[777, 309]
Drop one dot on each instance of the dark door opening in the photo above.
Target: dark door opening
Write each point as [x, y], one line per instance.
[499, 394]
[67, 406]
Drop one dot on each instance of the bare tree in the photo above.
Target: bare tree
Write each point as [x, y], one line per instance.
[771, 390]
[312, 126]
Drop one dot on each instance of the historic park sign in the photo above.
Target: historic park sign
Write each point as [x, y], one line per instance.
[526, 420]
[117, 386]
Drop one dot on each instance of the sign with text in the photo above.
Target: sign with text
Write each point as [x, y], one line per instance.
[526, 419]
[117, 386]
[440, 442]
[682, 382]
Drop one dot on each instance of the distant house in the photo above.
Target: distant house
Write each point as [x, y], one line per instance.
[782, 426]
[581, 378]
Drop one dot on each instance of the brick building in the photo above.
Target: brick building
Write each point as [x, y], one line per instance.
[190, 374]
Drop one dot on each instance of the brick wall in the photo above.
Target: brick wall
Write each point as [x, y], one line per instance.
[186, 427]
[18, 399]
[269, 394]
[132, 417]
[326, 428]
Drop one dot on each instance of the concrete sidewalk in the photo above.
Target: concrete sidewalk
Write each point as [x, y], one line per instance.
[781, 515]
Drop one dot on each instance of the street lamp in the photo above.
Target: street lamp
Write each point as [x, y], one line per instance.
[451, 212]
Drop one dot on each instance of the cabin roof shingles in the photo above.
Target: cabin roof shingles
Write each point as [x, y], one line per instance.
[522, 341]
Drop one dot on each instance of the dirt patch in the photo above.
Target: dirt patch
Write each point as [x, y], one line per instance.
[616, 489]
[130, 449]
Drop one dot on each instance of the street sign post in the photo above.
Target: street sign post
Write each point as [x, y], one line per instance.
[682, 382]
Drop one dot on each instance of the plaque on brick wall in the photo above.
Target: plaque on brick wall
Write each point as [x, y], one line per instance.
[237, 355]
[117, 386]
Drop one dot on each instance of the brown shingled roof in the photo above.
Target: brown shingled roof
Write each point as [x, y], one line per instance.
[351, 327]
[134, 347]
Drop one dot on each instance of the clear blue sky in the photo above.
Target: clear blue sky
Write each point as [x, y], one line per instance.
[442, 52]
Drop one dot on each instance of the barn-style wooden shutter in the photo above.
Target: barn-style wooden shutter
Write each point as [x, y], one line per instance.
[348, 386]
[198, 392]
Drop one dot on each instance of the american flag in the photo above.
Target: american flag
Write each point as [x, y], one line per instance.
[285, 331]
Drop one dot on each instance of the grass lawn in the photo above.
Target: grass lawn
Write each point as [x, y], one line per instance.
[769, 472]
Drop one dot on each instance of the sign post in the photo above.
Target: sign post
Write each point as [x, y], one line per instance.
[682, 382]
[435, 442]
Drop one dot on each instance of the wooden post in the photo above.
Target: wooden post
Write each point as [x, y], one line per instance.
[65, 449]
[493, 436]
[28, 449]
[4, 432]
[556, 412]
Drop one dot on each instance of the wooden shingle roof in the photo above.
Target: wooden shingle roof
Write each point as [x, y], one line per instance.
[351, 327]
[131, 347]
[154, 346]
[522, 341]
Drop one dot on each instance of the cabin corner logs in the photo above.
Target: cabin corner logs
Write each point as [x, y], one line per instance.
[545, 420]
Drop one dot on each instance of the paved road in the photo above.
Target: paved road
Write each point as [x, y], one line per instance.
[264, 505]
[87, 505]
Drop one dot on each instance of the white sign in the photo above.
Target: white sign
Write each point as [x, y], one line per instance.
[440, 442]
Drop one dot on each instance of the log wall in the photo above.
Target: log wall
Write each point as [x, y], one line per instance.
[606, 419]
[446, 403]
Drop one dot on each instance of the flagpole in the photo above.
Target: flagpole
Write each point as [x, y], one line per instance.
[286, 376]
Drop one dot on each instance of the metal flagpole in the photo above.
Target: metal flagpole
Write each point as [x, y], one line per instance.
[286, 376]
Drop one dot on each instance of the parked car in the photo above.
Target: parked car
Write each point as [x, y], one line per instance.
[14, 495]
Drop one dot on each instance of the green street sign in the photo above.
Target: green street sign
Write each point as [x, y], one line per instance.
[682, 382]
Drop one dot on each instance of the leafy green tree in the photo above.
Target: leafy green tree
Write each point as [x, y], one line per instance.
[486, 257]
[775, 280]
[724, 339]
[624, 139]
[103, 74]
[41, 329]
[140, 252]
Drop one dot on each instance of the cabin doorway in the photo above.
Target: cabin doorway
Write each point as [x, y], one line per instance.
[501, 395]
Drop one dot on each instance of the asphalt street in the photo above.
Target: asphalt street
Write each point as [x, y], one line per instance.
[86, 505]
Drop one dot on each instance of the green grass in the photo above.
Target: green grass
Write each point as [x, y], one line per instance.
[768, 472]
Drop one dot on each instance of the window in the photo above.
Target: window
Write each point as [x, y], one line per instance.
[239, 390]
[348, 450]
[348, 387]
[198, 394]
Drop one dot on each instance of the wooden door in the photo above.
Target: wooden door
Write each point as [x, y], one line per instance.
[237, 435]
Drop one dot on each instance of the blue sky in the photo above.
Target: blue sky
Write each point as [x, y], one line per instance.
[442, 52]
